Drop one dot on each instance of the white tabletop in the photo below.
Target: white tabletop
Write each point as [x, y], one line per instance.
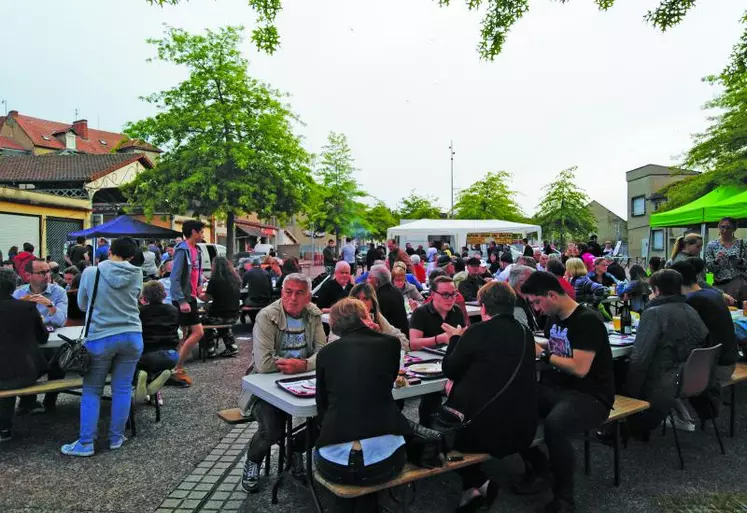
[264, 387]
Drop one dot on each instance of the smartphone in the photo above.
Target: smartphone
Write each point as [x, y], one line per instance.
[414, 381]
[50, 328]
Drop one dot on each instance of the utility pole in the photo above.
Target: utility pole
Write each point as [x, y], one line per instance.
[451, 152]
[5, 102]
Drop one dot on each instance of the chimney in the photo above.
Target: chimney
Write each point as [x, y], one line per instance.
[13, 114]
[81, 128]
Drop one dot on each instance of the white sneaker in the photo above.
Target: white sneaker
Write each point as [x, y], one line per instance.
[682, 425]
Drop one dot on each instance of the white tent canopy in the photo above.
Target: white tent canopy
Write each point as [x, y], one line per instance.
[419, 231]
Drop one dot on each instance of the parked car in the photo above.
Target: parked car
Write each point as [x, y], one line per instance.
[209, 253]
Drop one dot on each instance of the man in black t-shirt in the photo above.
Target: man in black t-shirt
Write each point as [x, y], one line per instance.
[78, 252]
[578, 391]
[335, 288]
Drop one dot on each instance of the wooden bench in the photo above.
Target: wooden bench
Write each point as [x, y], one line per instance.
[409, 475]
[232, 416]
[65, 386]
[251, 311]
[623, 408]
[739, 376]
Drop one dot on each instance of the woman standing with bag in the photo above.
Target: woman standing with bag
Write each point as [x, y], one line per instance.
[726, 258]
[109, 293]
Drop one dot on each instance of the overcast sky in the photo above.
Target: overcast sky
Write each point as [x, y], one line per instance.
[401, 78]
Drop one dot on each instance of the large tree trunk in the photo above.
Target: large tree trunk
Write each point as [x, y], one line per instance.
[338, 239]
[230, 235]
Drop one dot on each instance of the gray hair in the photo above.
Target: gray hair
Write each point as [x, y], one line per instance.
[518, 275]
[415, 259]
[381, 274]
[554, 256]
[341, 263]
[8, 281]
[528, 261]
[299, 278]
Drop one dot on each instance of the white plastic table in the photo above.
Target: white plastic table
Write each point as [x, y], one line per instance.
[71, 332]
[472, 311]
[264, 387]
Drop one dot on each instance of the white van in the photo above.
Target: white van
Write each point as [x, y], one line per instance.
[209, 253]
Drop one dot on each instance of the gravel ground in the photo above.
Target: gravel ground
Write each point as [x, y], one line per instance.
[36, 478]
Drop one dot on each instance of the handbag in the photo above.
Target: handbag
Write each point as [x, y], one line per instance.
[449, 421]
[73, 355]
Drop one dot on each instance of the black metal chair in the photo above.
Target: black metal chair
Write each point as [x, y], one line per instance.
[693, 380]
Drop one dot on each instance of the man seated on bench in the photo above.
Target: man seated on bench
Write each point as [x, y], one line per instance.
[491, 355]
[361, 440]
[335, 289]
[258, 283]
[576, 393]
[160, 341]
[51, 302]
[287, 335]
[21, 332]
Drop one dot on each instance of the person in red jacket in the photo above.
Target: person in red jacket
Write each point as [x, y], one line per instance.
[418, 269]
[21, 259]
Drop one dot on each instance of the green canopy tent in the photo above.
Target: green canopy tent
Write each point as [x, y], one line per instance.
[695, 212]
[722, 201]
[735, 207]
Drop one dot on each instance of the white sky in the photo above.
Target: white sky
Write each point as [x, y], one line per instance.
[574, 86]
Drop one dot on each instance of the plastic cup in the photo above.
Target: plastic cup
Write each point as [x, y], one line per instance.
[709, 278]
[616, 323]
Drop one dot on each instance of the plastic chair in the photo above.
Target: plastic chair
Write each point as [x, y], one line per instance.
[694, 378]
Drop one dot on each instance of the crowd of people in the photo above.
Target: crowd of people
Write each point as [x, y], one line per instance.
[491, 360]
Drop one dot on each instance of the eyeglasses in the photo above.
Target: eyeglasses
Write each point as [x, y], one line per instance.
[42, 273]
[446, 295]
[725, 227]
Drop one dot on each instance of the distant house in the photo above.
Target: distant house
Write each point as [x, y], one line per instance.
[610, 226]
[37, 136]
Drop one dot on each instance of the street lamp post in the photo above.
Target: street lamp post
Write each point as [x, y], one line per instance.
[451, 153]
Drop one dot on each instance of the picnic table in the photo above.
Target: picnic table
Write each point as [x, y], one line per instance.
[472, 311]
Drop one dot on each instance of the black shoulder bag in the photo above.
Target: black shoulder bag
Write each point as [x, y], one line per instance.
[73, 355]
[448, 421]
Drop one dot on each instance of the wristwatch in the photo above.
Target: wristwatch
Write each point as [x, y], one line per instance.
[545, 356]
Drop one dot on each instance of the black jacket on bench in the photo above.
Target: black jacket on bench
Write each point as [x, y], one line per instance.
[21, 332]
[354, 379]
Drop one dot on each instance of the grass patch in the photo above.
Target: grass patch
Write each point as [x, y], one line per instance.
[721, 502]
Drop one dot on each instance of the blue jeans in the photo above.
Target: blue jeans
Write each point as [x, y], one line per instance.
[120, 353]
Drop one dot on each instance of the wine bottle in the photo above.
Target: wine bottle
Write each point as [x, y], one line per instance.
[626, 320]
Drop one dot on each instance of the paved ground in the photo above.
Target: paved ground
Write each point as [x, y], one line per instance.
[192, 462]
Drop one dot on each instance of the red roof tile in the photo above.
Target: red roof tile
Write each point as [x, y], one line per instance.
[41, 133]
[138, 144]
[65, 168]
[6, 143]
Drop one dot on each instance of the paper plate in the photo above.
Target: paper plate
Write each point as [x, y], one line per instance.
[426, 368]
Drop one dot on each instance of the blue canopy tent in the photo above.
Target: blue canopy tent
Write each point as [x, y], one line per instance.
[125, 226]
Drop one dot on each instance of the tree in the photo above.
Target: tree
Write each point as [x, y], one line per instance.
[418, 207]
[499, 17]
[721, 151]
[563, 212]
[489, 198]
[333, 207]
[380, 218]
[230, 146]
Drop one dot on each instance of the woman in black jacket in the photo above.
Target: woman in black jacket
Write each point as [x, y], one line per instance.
[491, 355]
[21, 332]
[224, 293]
[361, 439]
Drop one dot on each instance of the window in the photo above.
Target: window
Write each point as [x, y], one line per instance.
[658, 236]
[638, 206]
[46, 138]
[102, 142]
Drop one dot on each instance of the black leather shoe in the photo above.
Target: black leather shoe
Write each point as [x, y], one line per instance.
[477, 502]
[491, 495]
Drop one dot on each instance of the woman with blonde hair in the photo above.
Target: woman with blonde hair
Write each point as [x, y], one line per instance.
[587, 290]
[366, 293]
[686, 246]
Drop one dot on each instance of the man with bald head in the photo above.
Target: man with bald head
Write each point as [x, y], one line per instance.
[336, 288]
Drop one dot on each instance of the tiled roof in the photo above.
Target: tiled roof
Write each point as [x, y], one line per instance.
[65, 168]
[6, 143]
[41, 132]
[138, 145]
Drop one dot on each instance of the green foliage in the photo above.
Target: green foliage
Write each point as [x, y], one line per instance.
[563, 211]
[379, 219]
[419, 207]
[230, 146]
[721, 151]
[333, 206]
[499, 16]
[489, 198]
